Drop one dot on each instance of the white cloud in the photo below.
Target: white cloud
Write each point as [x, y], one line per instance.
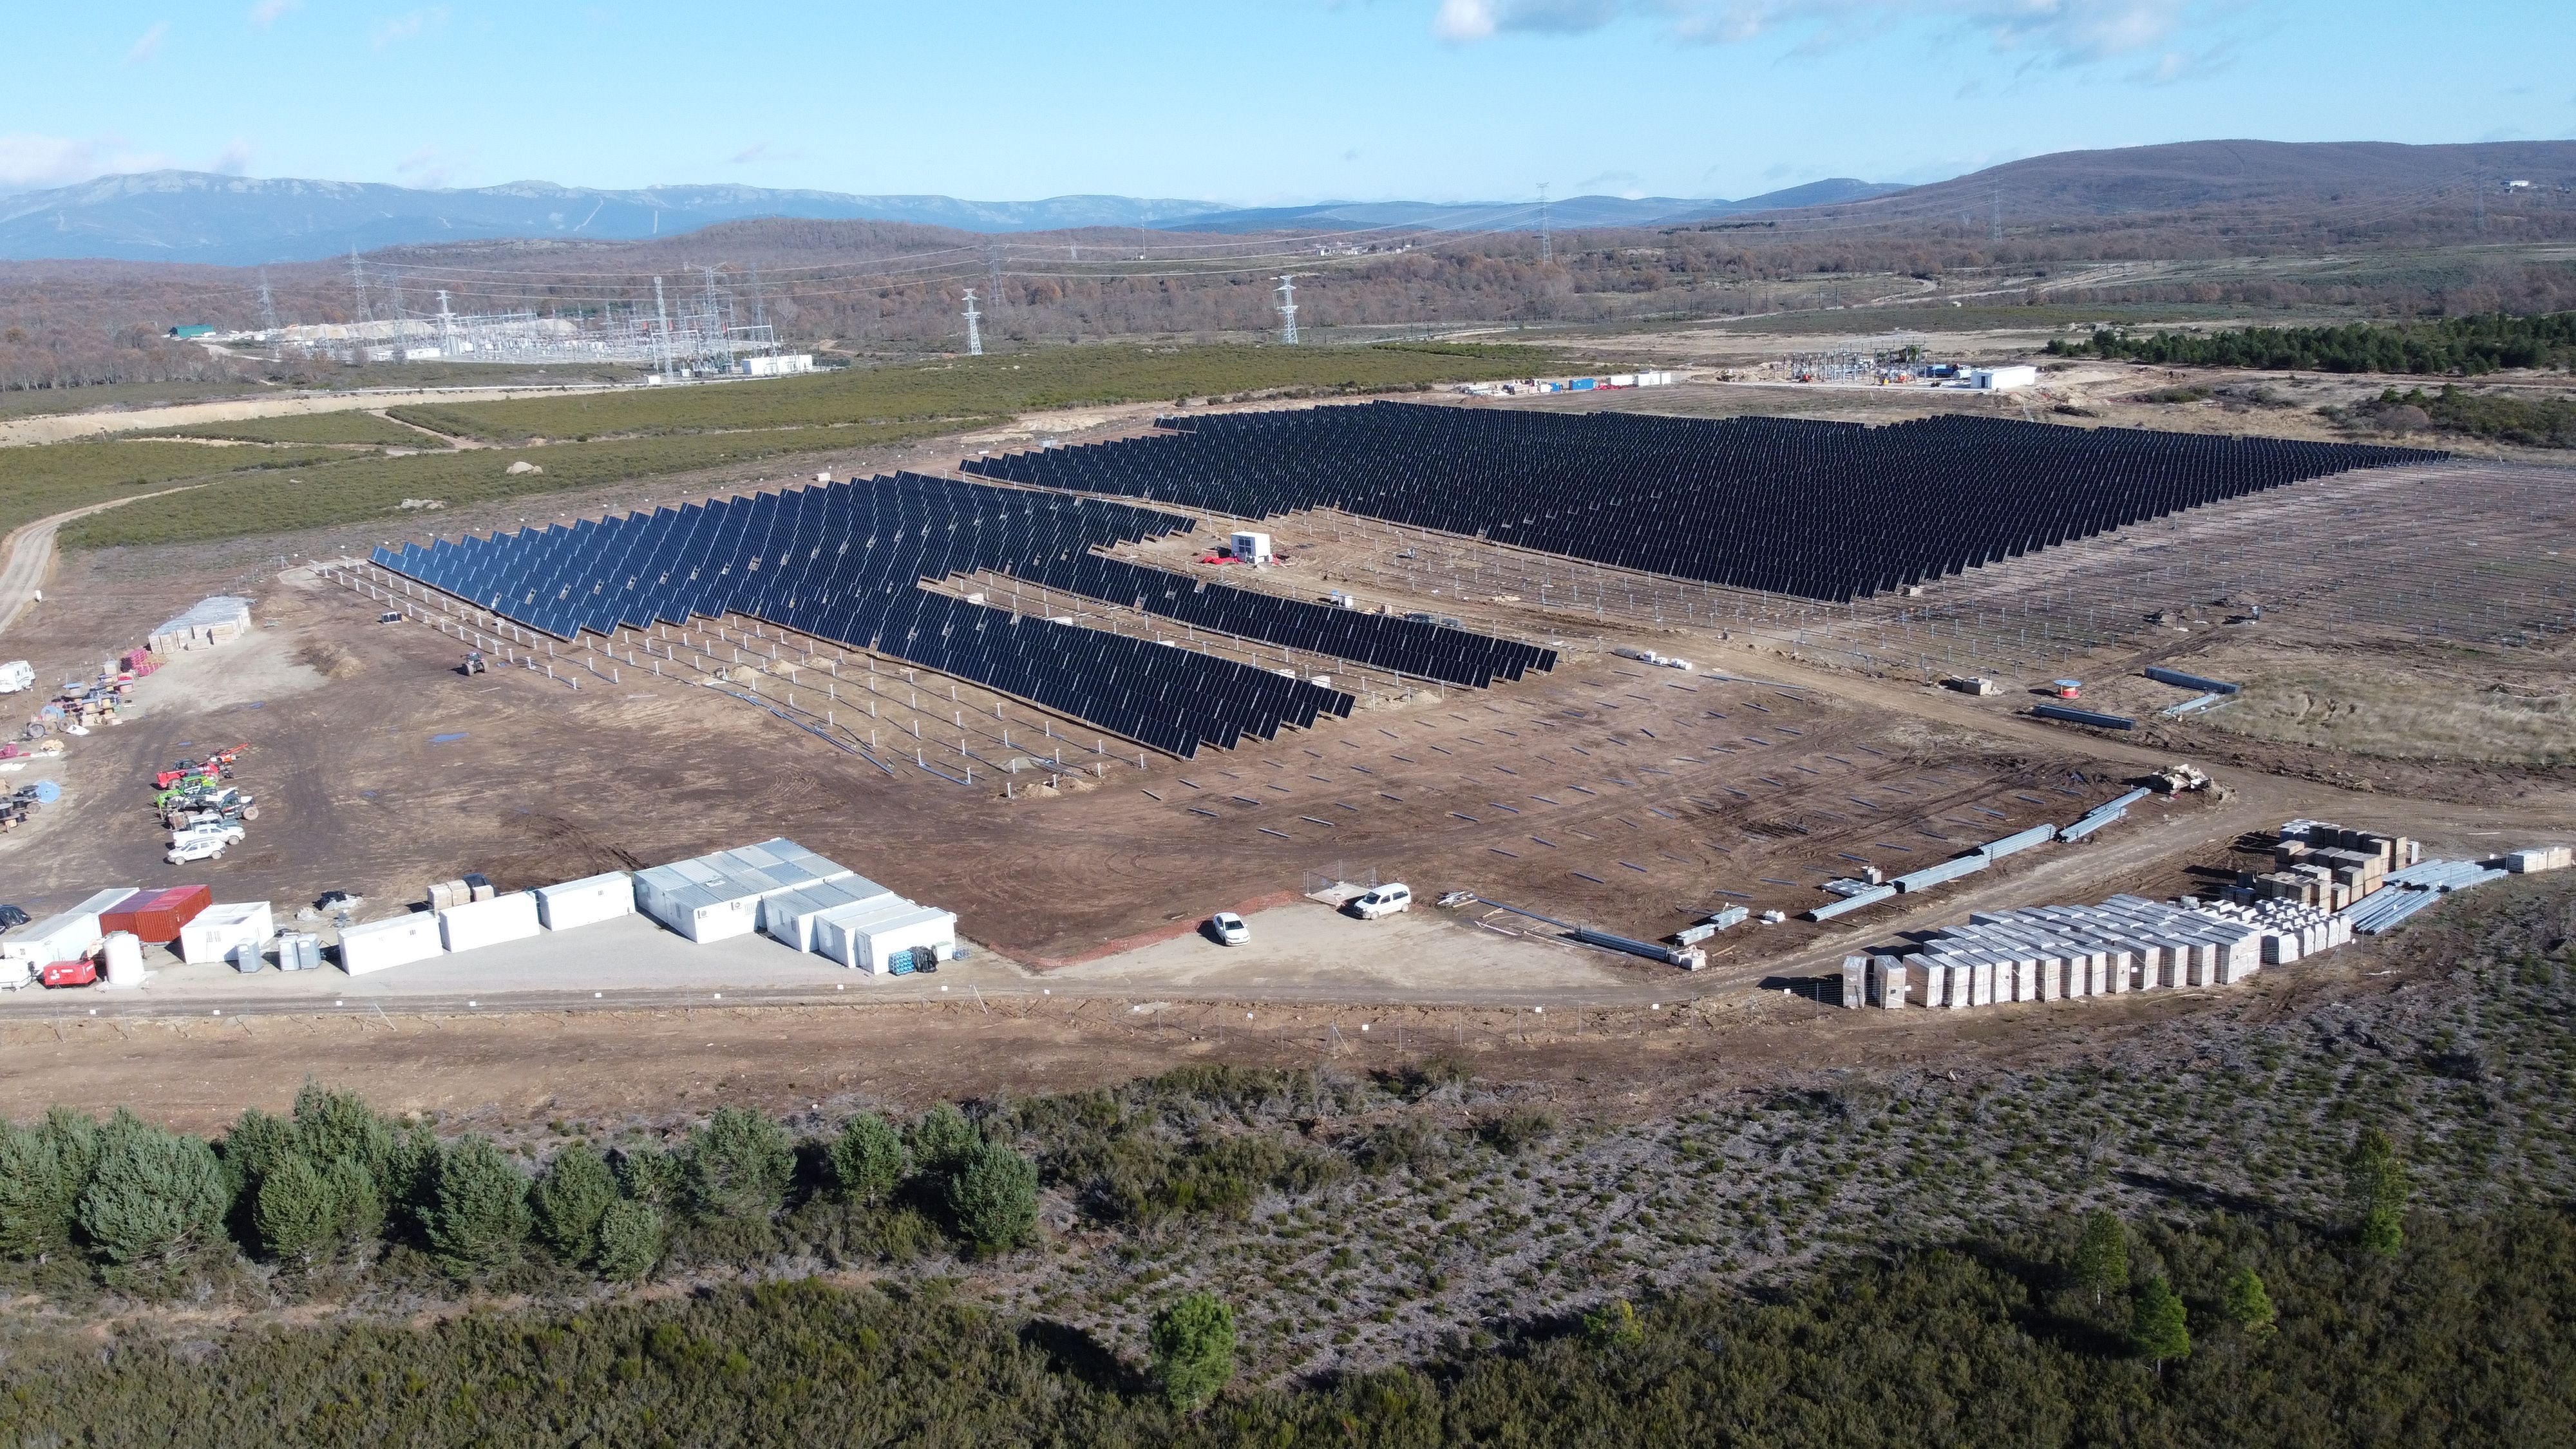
[408, 27]
[150, 45]
[30, 162]
[2062, 32]
[429, 168]
[234, 159]
[267, 12]
[758, 152]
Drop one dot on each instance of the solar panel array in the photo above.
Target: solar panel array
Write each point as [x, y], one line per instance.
[1408, 646]
[1822, 510]
[845, 562]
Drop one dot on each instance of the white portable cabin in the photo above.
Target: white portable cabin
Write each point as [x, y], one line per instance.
[2003, 379]
[789, 916]
[489, 923]
[585, 902]
[65, 937]
[1251, 548]
[703, 914]
[379, 945]
[866, 939]
[213, 932]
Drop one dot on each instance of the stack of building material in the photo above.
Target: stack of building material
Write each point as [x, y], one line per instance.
[2181, 680]
[1870, 897]
[2101, 815]
[2534, 858]
[1873, 981]
[2414, 889]
[211, 934]
[2015, 843]
[2290, 929]
[211, 622]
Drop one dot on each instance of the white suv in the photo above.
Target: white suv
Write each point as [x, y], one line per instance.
[196, 848]
[1386, 900]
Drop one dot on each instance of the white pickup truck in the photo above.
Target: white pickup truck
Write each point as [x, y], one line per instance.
[202, 842]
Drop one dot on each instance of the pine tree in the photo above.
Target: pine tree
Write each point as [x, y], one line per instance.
[2248, 1304]
[2102, 1256]
[254, 1144]
[868, 1158]
[649, 1175]
[43, 1170]
[994, 1197]
[357, 1200]
[2159, 1327]
[630, 1240]
[739, 1166]
[2376, 1190]
[569, 1201]
[1614, 1325]
[340, 1127]
[943, 1139]
[1193, 1350]
[479, 1207]
[293, 1213]
[153, 1197]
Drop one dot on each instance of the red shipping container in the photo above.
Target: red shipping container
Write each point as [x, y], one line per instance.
[156, 916]
[70, 973]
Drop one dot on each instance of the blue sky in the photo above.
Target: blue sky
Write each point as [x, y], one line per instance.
[1246, 101]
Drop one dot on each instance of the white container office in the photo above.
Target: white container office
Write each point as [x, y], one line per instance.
[869, 942]
[790, 916]
[56, 938]
[702, 914]
[585, 902]
[841, 934]
[489, 923]
[379, 945]
[213, 932]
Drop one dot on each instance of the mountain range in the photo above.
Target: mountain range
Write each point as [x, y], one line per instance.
[196, 216]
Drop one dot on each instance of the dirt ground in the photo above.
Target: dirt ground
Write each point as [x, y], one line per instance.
[1607, 792]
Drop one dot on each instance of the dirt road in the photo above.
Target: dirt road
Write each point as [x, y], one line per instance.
[62, 427]
[30, 553]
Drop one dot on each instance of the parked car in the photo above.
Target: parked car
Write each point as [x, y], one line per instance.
[1385, 900]
[12, 917]
[1230, 929]
[219, 833]
[189, 851]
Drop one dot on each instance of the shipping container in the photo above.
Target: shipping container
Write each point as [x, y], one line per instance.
[585, 902]
[378, 945]
[155, 917]
[212, 933]
[476, 924]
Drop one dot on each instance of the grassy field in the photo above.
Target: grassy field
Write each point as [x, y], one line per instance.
[343, 488]
[44, 401]
[1018, 382]
[350, 426]
[35, 482]
[594, 440]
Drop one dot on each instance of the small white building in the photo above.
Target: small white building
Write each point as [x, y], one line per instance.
[489, 922]
[2003, 379]
[868, 937]
[585, 902]
[1251, 548]
[789, 917]
[212, 933]
[380, 945]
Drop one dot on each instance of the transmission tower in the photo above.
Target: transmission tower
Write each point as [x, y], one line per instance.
[358, 283]
[1995, 232]
[446, 327]
[993, 264]
[394, 302]
[974, 326]
[267, 305]
[1546, 243]
[1288, 310]
[759, 299]
[662, 326]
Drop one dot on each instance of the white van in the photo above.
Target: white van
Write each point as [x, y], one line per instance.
[1386, 900]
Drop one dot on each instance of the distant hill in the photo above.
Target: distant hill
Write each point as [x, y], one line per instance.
[194, 216]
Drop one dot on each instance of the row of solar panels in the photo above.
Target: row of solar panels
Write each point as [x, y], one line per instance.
[1409, 646]
[1817, 509]
[845, 562]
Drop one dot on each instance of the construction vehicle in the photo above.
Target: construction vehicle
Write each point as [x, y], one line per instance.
[474, 664]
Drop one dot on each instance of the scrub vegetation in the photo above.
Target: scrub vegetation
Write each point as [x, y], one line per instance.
[2348, 1224]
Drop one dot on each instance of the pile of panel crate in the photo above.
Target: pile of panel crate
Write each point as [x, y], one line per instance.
[2051, 953]
[2420, 886]
[2319, 863]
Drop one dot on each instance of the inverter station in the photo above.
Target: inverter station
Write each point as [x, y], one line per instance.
[1819, 510]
